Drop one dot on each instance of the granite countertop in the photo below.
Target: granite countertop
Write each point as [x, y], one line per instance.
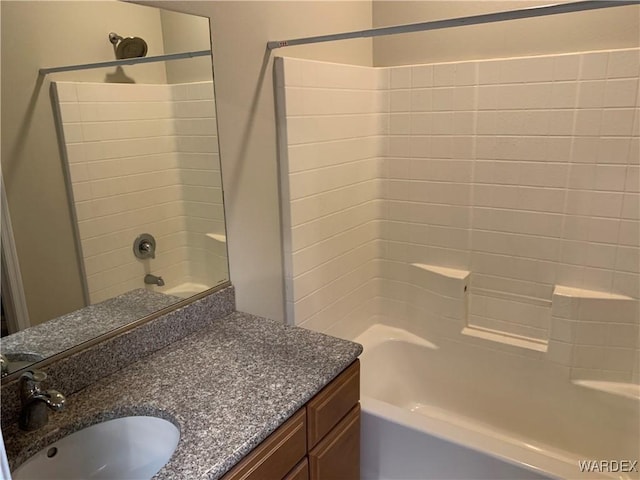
[227, 387]
[66, 331]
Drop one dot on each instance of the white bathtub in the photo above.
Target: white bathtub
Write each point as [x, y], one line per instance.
[186, 290]
[456, 411]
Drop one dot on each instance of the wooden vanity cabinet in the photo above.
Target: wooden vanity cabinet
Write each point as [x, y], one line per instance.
[337, 456]
[300, 471]
[321, 441]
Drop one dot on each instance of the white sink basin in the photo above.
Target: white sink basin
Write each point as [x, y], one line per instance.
[124, 448]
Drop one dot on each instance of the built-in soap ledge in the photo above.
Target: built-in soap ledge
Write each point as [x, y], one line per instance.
[597, 336]
[218, 237]
[450, 282]
[627, 390]
[506, 338]
[593, 306]
[584, 293]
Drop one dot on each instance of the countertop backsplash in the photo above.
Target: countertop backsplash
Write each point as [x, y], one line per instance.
[77, 371]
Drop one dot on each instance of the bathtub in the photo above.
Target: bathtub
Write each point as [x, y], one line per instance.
[449, 410]
[186, 290]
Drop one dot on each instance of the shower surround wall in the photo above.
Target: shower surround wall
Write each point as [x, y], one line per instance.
[143, 159]
[500, 184]
[331, 210]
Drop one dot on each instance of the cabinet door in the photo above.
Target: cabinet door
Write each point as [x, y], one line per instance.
[299, 472]
[337, 456]
[277, 455]
[334, 401]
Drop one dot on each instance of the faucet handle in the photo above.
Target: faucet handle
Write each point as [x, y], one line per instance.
[54, 400]
[30, 383]
[36, 401]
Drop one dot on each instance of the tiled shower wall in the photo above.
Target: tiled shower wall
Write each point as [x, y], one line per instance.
[142, 159]
[523, 171]
[332, 208]
[201, 181]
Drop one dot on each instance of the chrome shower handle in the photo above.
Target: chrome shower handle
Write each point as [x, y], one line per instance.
[144, 246]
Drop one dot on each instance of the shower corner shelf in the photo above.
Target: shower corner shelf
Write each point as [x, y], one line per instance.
[453, 273]
[506, 339]
[217, 237]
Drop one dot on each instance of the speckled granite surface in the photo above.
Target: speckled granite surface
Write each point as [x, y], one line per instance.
[76, 371]
[62, 333]
[227, 387]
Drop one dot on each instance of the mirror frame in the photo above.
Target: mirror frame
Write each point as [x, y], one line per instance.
[113, 333]
[156, 314]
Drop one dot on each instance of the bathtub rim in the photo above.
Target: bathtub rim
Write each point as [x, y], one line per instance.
[186, 289]
[547, 463]
[539, 458]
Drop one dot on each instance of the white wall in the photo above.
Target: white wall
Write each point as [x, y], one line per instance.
[245, 91]
[610, 28]
[143, 159]
[333, 118]
[186, 33]
[522, 171]
[198, 160]
[243, 72]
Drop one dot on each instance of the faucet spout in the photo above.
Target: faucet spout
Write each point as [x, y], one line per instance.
[153, 280]
[37, 402]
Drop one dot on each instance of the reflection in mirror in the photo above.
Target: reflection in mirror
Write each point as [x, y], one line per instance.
[112, 198]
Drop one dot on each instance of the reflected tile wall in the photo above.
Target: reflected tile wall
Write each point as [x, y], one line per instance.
[144, 159]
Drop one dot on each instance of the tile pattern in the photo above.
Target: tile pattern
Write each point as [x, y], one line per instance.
[596, 335]
[332, 207]
[143, 158]
[524, 171]
[517, 169]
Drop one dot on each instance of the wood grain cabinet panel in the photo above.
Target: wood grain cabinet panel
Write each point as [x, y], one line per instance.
[320, 442]
[300, 472]
[337, 456]
[277, 455]
[332, 403]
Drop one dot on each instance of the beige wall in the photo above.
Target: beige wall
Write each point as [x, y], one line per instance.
[44, 34]
[580, 31]
[244, 91]
[30, 156]
[245, 100]
[186, 33]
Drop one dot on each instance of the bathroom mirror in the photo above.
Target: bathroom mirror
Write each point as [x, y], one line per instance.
[112, 195]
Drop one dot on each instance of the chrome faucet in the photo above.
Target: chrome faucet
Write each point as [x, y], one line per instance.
[146, 248]
[37, 402]
[153, 280]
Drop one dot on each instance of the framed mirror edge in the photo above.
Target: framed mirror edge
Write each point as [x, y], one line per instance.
[89, 343]
[113, 333]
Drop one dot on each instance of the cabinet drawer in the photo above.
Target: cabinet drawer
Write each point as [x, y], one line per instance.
[333, 402]
[300, 472]
[277, 455]
[337, 456]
